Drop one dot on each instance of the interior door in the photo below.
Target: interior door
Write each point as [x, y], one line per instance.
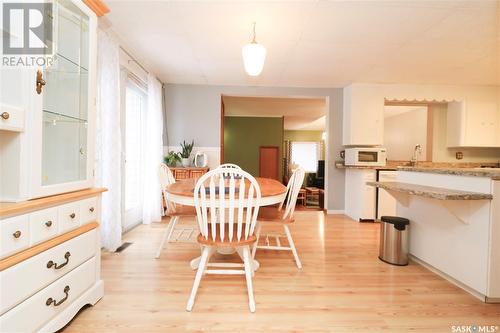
[269, 158]
[132, 143]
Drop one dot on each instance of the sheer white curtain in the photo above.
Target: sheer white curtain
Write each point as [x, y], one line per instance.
[153, 152]
[108, 140]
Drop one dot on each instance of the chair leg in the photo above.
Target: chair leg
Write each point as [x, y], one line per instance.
[248, 274]
[292, 245]
[257, 235]
[168, 234]
[197, 279]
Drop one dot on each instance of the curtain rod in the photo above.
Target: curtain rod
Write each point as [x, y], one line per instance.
[134, 60]
[138, 64]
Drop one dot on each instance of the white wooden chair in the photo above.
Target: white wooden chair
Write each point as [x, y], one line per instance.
[175, 212]
[229, 165]
[226, 221]
[273, 215]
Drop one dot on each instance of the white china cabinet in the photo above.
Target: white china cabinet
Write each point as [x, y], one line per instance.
[48, 137]
[49, 210]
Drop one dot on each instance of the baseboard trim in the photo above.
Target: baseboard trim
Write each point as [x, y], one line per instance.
[335, 212]
[493, 300]
[457, 283]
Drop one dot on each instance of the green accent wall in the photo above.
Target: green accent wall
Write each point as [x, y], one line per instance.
[304, 136]
[244, 135]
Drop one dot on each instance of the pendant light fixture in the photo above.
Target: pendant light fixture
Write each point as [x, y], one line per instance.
[254, 55]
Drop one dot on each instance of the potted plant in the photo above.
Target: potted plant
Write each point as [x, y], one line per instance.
[172, 158]
[187, 148]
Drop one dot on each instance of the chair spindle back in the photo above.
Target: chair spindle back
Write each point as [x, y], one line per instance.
[230, 191]
[292, 190]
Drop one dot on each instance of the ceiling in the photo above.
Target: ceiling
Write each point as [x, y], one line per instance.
[315, 43]
[396, 110]
[299, 113]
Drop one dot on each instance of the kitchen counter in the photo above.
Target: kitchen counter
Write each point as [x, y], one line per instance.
[454, 215]
[493, 173]
[431, 191]
[341, 165]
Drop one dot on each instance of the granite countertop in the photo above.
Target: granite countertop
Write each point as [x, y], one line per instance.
[341, 165]
[431, 192]
[493, 173]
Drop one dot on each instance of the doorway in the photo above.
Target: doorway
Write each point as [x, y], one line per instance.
[250, 124]
[133, 115]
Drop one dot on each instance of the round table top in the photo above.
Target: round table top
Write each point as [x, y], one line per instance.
[268, 187]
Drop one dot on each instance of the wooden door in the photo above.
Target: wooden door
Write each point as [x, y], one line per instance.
[269, 161]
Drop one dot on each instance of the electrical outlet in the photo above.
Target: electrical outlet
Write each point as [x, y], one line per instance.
[459, 155]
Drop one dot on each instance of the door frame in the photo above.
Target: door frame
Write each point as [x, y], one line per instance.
[328, 130]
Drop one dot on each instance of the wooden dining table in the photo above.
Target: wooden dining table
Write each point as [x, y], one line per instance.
[182, 192]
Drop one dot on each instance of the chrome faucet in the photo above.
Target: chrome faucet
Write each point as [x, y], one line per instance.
[416, 152]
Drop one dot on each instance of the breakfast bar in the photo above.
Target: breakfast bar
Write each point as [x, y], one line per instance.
[449, 208]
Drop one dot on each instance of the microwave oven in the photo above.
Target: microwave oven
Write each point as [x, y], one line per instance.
[368, 156]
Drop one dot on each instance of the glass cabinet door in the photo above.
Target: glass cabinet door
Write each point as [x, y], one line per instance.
[65, 98]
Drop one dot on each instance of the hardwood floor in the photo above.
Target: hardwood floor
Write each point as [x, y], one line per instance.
[343, 287]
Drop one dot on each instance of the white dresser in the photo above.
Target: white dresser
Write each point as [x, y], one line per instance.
[49, 210]
[49, 260]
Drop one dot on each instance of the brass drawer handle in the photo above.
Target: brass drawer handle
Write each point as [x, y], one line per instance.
[5, 115]
[51, 301]
[48, 224]
[91, 209]
[51, 264]
[17, 234]
[40, 82]
[73, 215]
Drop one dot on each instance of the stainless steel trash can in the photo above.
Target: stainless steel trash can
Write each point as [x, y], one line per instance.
[394, 240]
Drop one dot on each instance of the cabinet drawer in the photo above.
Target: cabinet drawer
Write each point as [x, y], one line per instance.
[69, 216]
[43, 225]
[64, 258]
[88, 210]
[37, 310]
[14, 235]
[11, 118]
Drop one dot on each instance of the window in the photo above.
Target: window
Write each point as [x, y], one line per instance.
[305, 154]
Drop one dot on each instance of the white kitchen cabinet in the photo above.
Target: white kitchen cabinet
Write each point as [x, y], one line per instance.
[46, 144]
[473, 125]
[363, 116]
[359, 197]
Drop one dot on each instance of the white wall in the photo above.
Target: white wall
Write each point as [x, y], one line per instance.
[213, 154]
[193, 113]
[403, 131]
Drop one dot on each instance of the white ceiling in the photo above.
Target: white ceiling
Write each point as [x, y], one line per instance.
[315, 43]
[299, 113]
[396, 110]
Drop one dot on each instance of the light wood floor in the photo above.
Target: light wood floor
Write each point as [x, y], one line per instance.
[343, 287]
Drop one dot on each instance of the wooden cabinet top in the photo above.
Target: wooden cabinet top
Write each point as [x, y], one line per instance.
[18, 208]
[189, 168]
